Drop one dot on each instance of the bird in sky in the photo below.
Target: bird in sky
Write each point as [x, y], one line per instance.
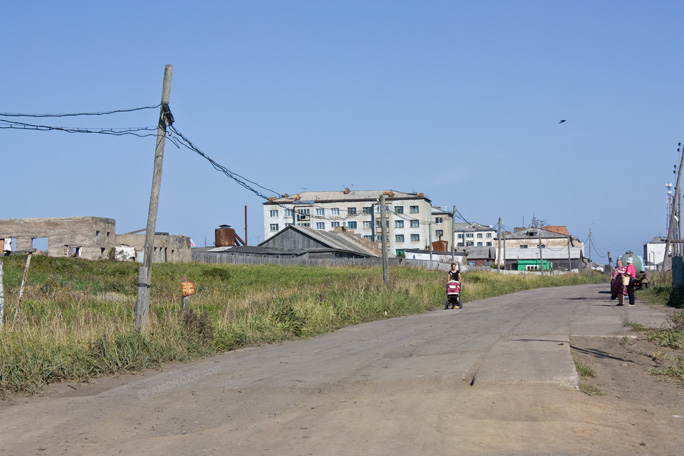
[561, 121]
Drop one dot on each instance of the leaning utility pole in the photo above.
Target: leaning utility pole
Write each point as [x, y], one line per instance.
[145, 272]
[383, 217]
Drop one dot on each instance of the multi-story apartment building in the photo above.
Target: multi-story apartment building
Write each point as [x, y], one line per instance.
[409, 215]
[473, 235]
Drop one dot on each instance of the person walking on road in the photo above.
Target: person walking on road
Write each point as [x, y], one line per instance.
[454, 274]
[617, 289]
[631, 272]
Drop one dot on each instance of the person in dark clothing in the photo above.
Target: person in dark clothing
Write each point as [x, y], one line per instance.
[454, 274]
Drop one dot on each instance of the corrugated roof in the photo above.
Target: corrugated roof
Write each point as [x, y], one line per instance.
[335, 241]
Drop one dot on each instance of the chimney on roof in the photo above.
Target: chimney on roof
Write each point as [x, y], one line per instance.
[389, 193]
[422, 195]
[285, 195]
[298, 196]
[272, 198]
[346, 191]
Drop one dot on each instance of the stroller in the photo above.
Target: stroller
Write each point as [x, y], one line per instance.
[453, 291]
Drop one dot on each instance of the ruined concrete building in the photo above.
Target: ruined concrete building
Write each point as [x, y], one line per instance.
[91, 238]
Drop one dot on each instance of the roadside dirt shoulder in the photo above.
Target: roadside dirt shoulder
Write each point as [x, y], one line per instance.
[651, 405]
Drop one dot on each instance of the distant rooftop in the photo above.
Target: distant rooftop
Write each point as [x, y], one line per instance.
[344, 195]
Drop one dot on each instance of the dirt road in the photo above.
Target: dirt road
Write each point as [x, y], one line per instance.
[403, 386]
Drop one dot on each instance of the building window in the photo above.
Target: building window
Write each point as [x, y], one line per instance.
[398, 223]
[399, 238]
[320, 225]
[459, 235]
[335, 211]
[414, 210]
[489, 244]
[351, 211]
[320, 212]
[367, 210]
[415, 238]
[288, 212]
[439, 233]
[274, 227]
[367, 224]
[439, 220]
[399, 209]
[303, 214]
[479, 235]
[304, 224]
[460, 244]
[351, 225]
[273, 212]
[415, 224]
[489, 235]
[335, 224]
[479, 244]
[469, 235]
[469, 243]
[523, 246]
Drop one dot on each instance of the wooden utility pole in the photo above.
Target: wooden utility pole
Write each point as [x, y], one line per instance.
[569, 257]
[430, 238]
[589, 249]
[145, 272]
[667, 260]
[541, 257]
[498, 252]
[2, 297]
[454, 241]
[383, 217]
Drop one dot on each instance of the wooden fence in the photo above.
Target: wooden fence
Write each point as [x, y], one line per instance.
[219, 258]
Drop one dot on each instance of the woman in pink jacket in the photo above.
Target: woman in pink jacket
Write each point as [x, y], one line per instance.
[632, 273]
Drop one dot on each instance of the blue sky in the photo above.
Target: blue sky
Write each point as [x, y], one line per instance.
[460, 100]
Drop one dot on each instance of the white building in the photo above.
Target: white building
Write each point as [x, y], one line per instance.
[473, 235]
[409, 215]
[654, 253]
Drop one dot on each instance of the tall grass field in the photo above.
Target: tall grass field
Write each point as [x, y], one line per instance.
[76, 319]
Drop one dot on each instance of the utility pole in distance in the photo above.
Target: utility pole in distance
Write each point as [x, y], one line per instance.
[498, 253]
[383, 243]
[145, 272]
[454, 241]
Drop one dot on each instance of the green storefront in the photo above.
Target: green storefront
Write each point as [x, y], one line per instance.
[533, 265]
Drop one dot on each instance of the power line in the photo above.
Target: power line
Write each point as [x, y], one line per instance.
[101, 113]
[140, 132]
[243, 181]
